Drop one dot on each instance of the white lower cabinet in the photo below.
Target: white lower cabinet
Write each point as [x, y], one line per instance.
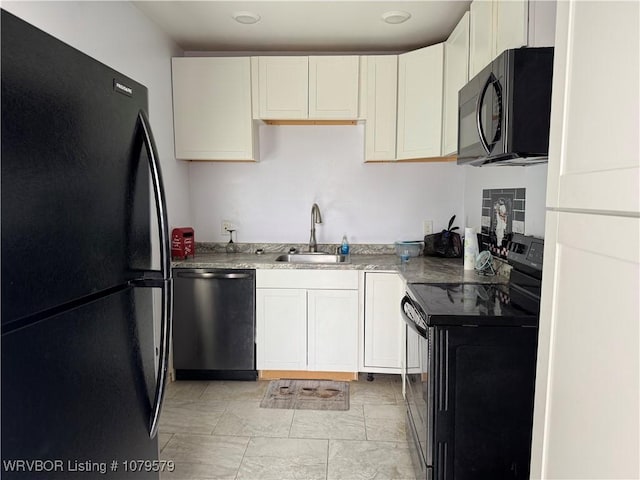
[384, 329]
[307, 320]
[281, 323]
[332, 330]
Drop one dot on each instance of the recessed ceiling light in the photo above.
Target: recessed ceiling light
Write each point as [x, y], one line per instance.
[246, 17]
[396, 16]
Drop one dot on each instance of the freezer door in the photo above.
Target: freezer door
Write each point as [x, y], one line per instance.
[79, 387]
[75, 192]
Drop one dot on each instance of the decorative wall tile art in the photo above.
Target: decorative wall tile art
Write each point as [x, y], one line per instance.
[503, 213]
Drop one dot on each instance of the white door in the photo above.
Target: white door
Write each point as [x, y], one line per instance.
[456, 75]
[333, 330]
[481, 46]
[383, 324]
[283, 87]
[333, 87]
[381, 108]
[420, 78]
[212, 108]
[281, 329]
[512, 20]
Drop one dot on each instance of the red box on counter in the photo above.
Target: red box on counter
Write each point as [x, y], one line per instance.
[183, 242]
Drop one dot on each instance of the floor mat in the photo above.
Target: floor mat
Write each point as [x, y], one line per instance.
[307, 395]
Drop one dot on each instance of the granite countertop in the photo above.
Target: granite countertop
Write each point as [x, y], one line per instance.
[418, 270]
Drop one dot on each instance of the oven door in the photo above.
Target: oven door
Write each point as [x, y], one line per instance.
[419, 387]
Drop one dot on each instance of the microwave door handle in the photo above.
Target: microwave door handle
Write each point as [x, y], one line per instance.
[498, 90]
[481, 134]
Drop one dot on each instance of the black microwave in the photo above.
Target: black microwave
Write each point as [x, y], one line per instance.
[504, 111]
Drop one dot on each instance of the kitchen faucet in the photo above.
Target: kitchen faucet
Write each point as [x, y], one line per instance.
[315, 218]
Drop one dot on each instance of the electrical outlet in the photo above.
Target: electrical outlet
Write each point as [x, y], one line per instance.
[427, 227]
[225, 226]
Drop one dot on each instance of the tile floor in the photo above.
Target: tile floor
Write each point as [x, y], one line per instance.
[217, 430]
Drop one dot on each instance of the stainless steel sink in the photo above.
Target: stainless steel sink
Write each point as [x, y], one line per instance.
[312, 257]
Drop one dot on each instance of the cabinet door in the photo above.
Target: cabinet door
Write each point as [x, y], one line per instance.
[283, 85]
[481, 44]
[511, 20]
[420, 102]
[281, 329]
[594, 161]
[456, 75]
[589, 332]
[212, 108]
[381, 108]
[333, 330]
[383, 324]
[333, 87]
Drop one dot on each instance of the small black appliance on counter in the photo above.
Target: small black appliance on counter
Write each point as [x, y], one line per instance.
[470, 400]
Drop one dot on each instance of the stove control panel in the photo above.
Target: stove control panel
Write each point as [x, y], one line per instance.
[526, 250]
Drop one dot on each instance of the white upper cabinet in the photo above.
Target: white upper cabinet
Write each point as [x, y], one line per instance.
[301, 88]
[283, 87]
[212, 109]
[481, 46]
[333, 87]
[456, 75]
[511, 25]
[420, 78]
[498, 25]
[380, 102]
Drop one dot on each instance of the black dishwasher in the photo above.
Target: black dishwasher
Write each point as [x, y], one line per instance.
[214, 324]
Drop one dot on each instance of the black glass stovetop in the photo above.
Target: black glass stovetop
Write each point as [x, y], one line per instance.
[476, 304]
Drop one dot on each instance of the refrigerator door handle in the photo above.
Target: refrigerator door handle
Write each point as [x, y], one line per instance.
[165, 270]
[158, 190]
[163, 362]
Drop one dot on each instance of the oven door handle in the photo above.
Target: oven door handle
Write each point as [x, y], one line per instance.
[406, 302]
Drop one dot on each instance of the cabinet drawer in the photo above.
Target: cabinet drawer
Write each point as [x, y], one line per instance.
[321, 279]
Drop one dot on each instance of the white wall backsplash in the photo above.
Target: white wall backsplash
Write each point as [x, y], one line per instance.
[270, 201]
[533, 178]
[120, 36]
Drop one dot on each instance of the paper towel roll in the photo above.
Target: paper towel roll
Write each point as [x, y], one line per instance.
[470, 248]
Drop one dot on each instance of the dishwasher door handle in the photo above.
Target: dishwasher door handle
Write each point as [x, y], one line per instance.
[213, 275]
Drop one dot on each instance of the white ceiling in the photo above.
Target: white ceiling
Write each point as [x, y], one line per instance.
[304, 25]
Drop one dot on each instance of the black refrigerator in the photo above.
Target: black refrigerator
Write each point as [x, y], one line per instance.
[83, 367]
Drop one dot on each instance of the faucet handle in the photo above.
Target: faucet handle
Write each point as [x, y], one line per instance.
[293, 250]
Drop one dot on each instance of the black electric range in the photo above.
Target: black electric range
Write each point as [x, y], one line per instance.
[475, 304]
[469, 397]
